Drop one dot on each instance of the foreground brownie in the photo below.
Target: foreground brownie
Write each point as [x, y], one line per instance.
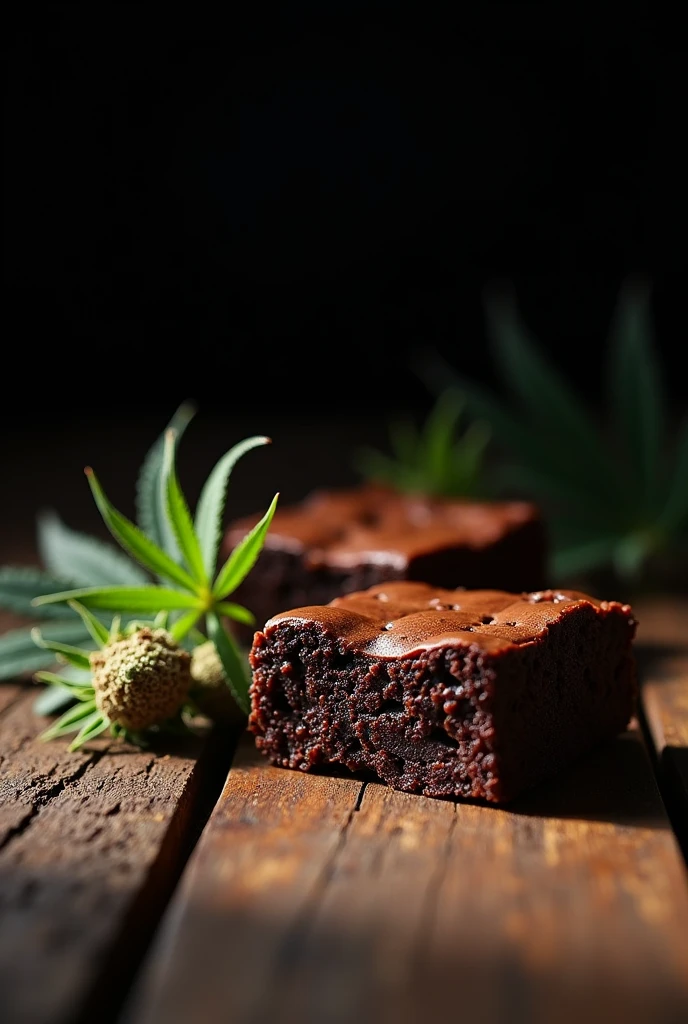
[336, 542]
[444, 692]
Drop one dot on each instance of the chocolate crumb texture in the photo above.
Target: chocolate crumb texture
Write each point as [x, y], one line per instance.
[450, 693]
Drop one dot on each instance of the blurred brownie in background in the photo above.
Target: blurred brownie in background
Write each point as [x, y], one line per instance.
[337, 542]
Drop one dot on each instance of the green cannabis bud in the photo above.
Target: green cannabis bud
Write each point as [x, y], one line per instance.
[141, 680]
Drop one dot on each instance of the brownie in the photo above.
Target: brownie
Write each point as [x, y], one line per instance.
[450, 693]
[336, 542]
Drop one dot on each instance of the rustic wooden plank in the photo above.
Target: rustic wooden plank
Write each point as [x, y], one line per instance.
[328, 900]
[9, 694]
[663, 651]
[273, 835]
[90, 845]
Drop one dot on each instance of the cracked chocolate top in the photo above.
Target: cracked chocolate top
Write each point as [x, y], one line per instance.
[394, 620]
[342, 528]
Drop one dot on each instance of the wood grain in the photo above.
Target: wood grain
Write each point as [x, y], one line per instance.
[89, 847]
[316, 899]
[663, 653]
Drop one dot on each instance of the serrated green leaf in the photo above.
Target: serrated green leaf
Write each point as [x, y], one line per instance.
[75, 685]
[20, 584]
[636, 393]
[19, 654]
[53, 699]
[179, 516]
[79, 689]
[674, 516]
[211, 504]
[129, 599]
[78, 676]
[135, 542]
[236, 612]
[91, 727]
[99, 633]
[244, 556]
[184, 624]
[74, 655]
[235, 667]
[150, 492]
[84, 561]
[70, 721]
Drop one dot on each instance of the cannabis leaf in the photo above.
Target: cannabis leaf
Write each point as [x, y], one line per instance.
[18, 651]
[435, 459]
[84, 560]
[20, 584]
[74, 559]
[197, 590]
[150, 490]
[616, 495]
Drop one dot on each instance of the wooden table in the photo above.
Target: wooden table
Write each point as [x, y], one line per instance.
[167, 886]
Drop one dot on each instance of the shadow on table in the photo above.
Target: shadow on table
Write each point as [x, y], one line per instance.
[613, 783]
[654, 660]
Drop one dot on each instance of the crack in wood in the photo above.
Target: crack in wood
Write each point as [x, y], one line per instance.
[305, 917]
[329, 868]
[9, 695]
[40, 801]
[428, 911]
[24, 820]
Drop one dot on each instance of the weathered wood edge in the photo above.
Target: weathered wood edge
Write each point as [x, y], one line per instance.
[91, 846]
[663, 656]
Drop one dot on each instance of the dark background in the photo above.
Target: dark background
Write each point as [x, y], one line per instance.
[272, 216]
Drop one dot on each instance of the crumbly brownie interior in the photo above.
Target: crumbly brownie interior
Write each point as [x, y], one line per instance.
[455, 719]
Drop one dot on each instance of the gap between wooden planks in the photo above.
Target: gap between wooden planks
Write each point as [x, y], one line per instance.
[663, 655]
[317, 899]
[91, 845]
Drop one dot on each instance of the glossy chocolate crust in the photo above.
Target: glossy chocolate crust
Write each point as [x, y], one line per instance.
[336, 542]
[451, 693]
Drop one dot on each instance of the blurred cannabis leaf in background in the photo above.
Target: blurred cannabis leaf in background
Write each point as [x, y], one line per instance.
[435, 458]
[616, 492]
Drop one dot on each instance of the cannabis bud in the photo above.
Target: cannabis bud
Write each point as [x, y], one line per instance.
[209, 688]
[141, 680]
